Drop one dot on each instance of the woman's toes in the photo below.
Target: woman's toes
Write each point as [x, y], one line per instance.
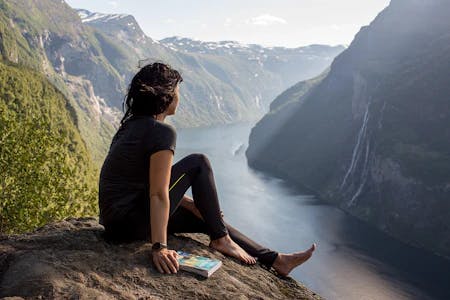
[246, 259]
[229, 247]
[251, 260]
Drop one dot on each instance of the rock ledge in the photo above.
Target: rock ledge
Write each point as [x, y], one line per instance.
[70, 259]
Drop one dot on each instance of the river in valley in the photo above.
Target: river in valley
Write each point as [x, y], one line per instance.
[352, 259]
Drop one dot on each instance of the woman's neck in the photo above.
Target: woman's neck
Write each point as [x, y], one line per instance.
[160, 117]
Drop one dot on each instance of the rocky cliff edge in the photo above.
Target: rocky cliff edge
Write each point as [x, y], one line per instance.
[71, 260]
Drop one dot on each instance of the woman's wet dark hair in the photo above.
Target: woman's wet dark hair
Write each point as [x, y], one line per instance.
[151, 90]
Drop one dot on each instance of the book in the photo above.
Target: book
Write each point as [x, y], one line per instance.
[197, 264]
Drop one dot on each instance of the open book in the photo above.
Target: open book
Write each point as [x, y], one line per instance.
[197, 264]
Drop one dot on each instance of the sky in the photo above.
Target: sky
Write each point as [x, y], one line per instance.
[288, 23]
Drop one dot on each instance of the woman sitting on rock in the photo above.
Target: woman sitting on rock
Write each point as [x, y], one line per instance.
[142, 196]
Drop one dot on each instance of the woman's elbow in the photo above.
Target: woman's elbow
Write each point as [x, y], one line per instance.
[159, 195]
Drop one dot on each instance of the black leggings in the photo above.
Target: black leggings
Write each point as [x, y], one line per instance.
[193, 171]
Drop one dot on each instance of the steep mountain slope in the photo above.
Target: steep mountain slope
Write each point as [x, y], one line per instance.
[47, 172]
[49, 37]
[373, 136]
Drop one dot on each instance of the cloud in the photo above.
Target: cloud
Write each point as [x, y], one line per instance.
[169, 21]
[265, 20]
[114, 4]
[227, 22]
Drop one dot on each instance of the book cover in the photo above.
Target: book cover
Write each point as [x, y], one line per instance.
[197, 264]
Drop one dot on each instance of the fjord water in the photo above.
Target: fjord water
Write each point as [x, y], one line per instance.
[352, 260]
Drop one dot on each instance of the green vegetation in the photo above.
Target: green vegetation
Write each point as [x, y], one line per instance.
[38, 16]
[24, 28]
[47, 173]
[13, 45]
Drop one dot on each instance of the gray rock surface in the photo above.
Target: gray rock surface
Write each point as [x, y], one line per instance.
[70, 260]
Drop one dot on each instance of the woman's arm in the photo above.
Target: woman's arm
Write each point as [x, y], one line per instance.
[165, 260]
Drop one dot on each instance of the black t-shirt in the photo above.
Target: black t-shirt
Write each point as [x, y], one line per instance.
[124, 177]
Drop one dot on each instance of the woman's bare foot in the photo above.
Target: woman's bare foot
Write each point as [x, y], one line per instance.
[284, 263]
[227, 246]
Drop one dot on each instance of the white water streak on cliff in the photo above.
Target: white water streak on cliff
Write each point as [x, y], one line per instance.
[356, 152]
[364, 176]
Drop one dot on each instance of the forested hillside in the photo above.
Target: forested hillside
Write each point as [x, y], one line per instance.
[47, 172]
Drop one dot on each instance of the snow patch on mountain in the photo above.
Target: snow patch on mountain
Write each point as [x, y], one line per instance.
[87, 16]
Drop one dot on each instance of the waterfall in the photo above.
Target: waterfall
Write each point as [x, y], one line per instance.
[356, 152]
[365, 172]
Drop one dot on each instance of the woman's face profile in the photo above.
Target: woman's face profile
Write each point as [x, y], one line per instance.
[173, 106]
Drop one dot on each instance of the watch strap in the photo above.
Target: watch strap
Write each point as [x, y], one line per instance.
[158, 246]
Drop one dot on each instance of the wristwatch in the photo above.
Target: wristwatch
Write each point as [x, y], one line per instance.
[158, 246]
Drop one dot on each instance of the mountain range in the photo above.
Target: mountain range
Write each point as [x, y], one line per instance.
[224, 81]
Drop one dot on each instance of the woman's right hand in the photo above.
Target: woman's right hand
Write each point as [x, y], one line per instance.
[165, 260]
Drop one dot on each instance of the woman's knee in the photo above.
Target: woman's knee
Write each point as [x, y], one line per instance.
[201, 160]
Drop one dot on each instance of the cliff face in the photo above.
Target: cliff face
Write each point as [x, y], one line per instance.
[70, 259]
[373, 136]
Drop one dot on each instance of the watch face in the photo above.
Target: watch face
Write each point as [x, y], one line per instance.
[158, 245]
